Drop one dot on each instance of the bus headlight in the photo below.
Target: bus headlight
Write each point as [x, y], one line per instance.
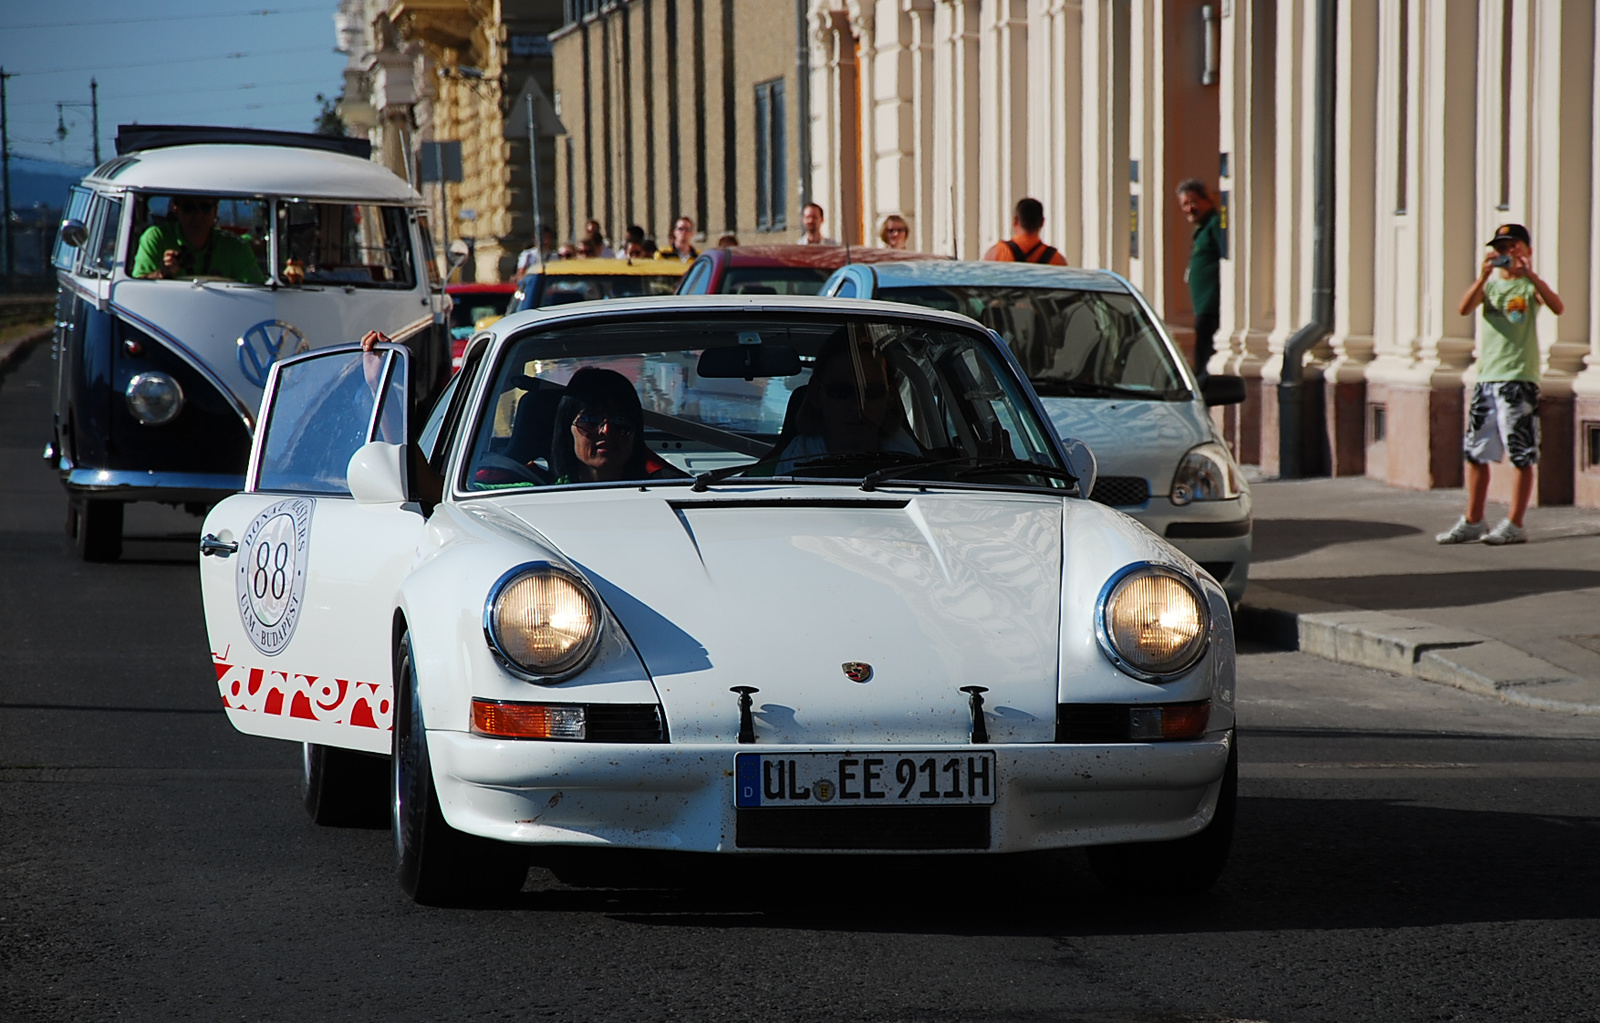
[154, 398]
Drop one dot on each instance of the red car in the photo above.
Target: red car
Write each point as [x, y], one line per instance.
[778, 269]
[471, 304]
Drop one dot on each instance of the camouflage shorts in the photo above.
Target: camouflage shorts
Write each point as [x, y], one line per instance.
[1504, 420]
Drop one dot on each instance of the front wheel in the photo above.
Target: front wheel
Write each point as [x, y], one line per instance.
[436, 864]
[1187, 866]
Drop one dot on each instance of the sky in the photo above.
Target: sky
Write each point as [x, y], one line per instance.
[246, 63]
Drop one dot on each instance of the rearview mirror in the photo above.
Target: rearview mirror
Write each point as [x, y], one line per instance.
[1220, 390]
[747, 362]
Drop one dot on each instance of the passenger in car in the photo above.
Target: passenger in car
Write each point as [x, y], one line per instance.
[843, 413]
[597, 434]
[193, 247]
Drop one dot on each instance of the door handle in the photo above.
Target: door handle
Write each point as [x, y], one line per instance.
[212, 547]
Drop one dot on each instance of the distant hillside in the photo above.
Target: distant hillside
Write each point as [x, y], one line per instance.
[42, 181]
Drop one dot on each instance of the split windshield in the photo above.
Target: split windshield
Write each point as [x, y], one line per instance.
[1070, 343]
[180, 236]
[695, 401]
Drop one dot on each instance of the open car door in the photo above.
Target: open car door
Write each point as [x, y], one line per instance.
[298, 577]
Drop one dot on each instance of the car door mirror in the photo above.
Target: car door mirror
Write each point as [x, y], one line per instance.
[1221, 390]
[1082, 462]
[376, 474]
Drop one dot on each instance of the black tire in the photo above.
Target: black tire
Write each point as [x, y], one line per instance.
[344, 788]
[436, 864]
[1187, 866]
[97, 528]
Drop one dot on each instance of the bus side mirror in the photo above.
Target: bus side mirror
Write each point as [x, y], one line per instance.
[74, 233]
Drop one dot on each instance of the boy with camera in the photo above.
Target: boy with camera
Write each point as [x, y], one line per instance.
[1505, 401]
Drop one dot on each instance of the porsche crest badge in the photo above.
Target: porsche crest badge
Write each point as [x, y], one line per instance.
[857, 671]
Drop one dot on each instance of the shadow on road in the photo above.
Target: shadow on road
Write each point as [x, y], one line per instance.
[1278, 539]
[1442, 589]
[1313, 864]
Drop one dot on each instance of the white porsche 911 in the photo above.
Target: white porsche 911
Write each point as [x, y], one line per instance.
[726, 575]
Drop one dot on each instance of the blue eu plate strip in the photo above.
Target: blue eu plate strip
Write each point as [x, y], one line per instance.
[747, 779]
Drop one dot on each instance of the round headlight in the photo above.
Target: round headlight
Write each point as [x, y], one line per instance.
[1154, 622]
[543, 620]
[154, 398]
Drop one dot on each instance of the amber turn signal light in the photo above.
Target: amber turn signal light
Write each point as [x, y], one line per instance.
[1168, 722]
[506, 720]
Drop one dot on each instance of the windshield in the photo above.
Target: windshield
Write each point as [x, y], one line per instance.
[774, 280]
[1074, 343]
[347, 244]
[183, 237]
[805, 398]
[559, 289]
[470, 307]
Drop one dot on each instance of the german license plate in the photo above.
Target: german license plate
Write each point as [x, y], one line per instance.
[922, 778]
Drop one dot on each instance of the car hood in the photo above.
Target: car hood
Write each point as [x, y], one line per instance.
[1131, 437]
[934, 591]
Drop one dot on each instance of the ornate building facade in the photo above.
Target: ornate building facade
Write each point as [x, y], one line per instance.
[424, 71]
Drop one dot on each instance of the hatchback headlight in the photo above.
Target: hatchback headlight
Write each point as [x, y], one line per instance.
[154, 398]
[1153, 622]
[543, 621]
[1206, 473]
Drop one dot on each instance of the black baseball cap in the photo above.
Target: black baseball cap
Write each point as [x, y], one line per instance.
[1511, 233]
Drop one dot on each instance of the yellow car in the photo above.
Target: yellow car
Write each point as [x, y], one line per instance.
[560, 281]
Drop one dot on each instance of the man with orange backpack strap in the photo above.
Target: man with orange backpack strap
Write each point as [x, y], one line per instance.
[1025, 245]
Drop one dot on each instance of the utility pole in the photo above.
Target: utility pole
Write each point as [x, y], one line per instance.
[5, 178]
[533, 167]
[94, 104]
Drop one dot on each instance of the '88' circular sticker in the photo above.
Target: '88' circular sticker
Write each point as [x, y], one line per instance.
[271, 578]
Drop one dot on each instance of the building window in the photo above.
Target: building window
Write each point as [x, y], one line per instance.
[772, 190]
[1377, 423]
[1591, 447]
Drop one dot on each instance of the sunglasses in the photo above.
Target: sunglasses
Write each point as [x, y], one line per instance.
[894, 230]
[847, 392]
[592, 422]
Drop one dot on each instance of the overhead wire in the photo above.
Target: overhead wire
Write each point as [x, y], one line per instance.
[258, 13]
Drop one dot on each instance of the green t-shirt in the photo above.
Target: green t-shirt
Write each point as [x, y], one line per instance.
[1508, 344]
[1205, 290]
[225, 255]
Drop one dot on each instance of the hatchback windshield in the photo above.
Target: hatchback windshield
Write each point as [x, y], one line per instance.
[559, 289]
[773, 280]
[1073, 343]
[707, 398]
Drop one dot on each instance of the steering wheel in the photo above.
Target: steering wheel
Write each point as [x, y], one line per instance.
[522, 471]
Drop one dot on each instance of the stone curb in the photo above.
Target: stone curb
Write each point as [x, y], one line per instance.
[1422, 650]
[13, 349]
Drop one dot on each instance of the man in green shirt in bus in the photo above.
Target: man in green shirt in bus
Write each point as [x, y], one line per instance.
[193, 247]
[1505, 401]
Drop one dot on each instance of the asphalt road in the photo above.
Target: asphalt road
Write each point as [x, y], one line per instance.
[1404, 852]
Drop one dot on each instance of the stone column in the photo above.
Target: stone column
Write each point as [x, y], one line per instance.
[1248, 130]
[1355, 198]
[955, 177]
[1427, 245]
[917, 207]
[1104, 195]
[1586, 385]
[1055, 120]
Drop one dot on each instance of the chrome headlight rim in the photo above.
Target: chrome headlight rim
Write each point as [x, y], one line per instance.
[1102, 631]
[590, 646]
[153, 376]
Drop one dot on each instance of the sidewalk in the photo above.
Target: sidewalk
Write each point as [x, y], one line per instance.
[1348, 569]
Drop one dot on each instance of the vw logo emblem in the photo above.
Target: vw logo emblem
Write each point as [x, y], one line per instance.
[265, 343]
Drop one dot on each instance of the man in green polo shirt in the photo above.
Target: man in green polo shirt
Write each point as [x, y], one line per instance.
[1205, 256]
[1505, 401]
[193, 247]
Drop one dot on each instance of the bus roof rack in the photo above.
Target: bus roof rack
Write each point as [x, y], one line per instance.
[135, 137]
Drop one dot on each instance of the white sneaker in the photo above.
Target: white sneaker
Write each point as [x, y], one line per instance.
[1462, 532]
[1506, 532]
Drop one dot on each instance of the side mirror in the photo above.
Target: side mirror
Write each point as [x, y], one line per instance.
[1082, 462]
[376, 475]
[74, 233]
[1221, 390]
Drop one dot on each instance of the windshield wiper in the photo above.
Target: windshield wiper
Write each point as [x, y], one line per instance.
[1094, 389]
[844, 458]
[973, 464]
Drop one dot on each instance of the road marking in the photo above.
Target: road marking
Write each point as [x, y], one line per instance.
[1422, 769]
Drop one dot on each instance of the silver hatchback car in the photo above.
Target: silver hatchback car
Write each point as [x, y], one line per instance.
[1109, 376]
